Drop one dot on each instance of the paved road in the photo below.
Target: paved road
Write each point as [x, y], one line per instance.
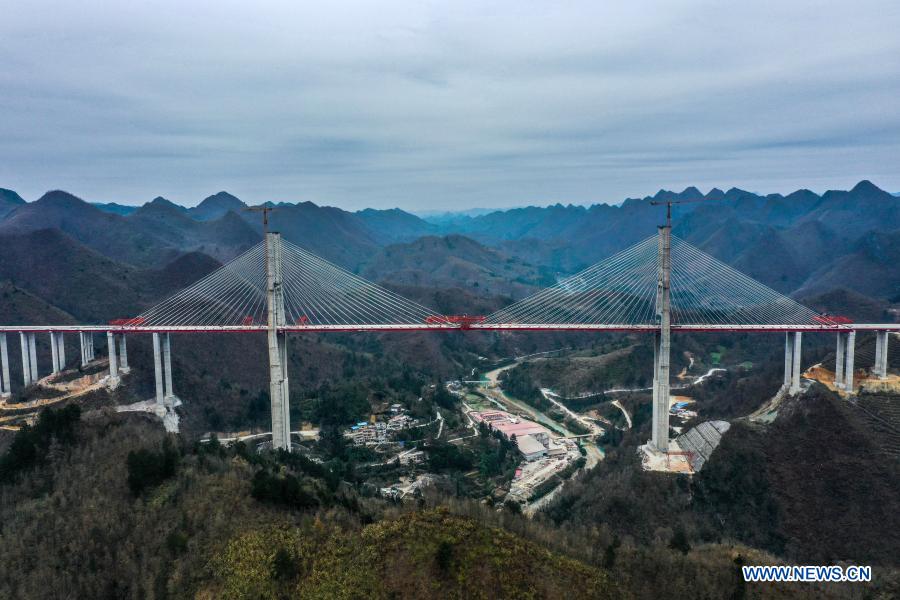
[618, 404]
[592, 427]
[492, 388]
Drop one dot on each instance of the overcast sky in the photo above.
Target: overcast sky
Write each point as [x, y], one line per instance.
[451, 104]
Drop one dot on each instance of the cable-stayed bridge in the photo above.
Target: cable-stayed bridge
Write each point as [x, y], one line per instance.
[658, 286]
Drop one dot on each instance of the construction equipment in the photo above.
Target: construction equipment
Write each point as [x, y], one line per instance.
[131, 322]
[464, 321]
[687, 454]
[827, 319]
[265, 209]
[669, 204]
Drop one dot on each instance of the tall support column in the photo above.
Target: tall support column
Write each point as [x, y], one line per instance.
[277, 342]
[285, 390]
[157, 368]
[89, 346]
[167, 360]
[123, 354]
[849, 353]
[5, 386]
[660, 439]
[54, 353]
[82, 337]
[879, 369]
[32, 355]
[795, 369]
[788, 360]
[877, 364]
[61, 350]
[26, 361]
[113, 363]
[839, 361]
[655, 367]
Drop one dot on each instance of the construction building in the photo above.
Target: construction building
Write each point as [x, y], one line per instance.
[511, 425]
[530, 448]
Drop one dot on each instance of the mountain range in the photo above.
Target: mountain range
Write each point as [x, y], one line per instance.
[9, 201]
[64, 260]
[804, 244]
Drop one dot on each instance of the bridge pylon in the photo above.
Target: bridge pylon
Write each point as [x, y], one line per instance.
[277, 341]
[662, 342]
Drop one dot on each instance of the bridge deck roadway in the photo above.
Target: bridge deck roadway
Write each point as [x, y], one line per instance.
[449, 327]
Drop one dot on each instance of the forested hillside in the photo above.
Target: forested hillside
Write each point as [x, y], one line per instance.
[813, 486]
[134, 512]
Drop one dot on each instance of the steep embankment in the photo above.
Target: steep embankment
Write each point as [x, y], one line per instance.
[107, 508]
[836, 493]
[815, 486]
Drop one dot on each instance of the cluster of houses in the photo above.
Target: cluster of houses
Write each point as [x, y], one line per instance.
[379, 431]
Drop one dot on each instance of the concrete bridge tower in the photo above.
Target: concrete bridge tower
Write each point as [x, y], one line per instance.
[662, 342]
[278, 378]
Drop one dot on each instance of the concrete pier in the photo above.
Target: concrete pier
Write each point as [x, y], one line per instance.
[162, 369]
[61, 350]
[32, 355]
[26, 362]
[29, 357]
[788, 360]
[655, 379]
[849, 353]
[844, 359]
[123, 354]
[285, 405]
[796, 369]
[879, 369]
[167, 359]
[157, 369]
[792, 346]
[57, 351]
[54, 353]
[839, 360]
[5, 386]
[277, 343]
[87, 347]
[113, 363]
[663, 344]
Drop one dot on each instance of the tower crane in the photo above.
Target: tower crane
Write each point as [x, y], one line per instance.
[265, 209]
[669, 204]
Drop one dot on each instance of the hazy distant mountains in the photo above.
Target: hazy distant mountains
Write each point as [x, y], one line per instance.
[9, 200]
[455, 261]
[800, 243]
[803, 243]
[82, 283]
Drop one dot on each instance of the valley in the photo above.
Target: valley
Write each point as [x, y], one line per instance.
[536, 434]
[450, 301]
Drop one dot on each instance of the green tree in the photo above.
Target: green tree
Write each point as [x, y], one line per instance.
[30, 445]
[680, 541]
[148, 468]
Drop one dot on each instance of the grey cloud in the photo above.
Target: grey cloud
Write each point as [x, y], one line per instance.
[440, 105]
